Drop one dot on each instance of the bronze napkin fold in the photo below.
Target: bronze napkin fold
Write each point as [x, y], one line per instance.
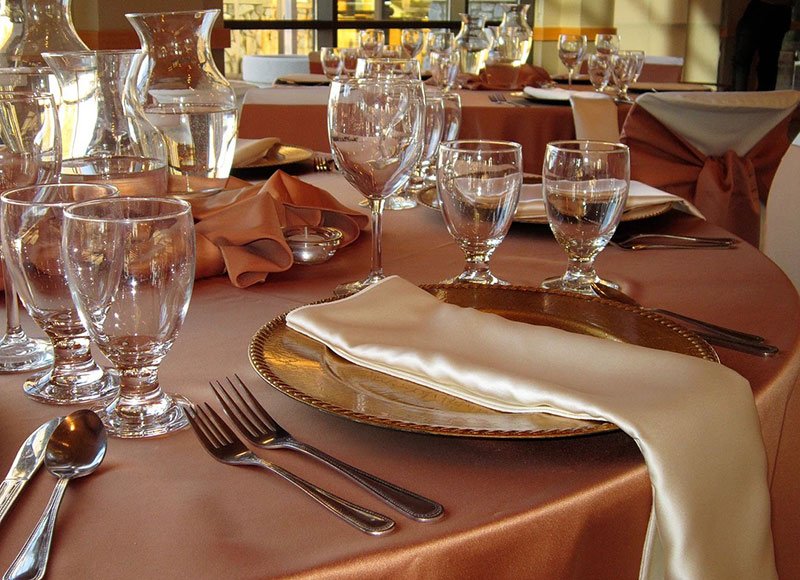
[238, 231]
[529, 75]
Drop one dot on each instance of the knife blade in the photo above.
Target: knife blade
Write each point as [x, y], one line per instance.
[28, 459]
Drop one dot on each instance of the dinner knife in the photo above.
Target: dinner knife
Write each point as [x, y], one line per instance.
[28, 459]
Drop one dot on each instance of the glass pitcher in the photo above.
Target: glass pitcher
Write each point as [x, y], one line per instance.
[30, 27]
[186, 97]
[515, 33]
[473, 43]
[105, 135]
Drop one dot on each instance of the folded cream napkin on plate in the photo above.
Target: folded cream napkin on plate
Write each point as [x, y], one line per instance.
[554, 94]
[251, 150]
[239, 231]
[694, 421]
[531, 204]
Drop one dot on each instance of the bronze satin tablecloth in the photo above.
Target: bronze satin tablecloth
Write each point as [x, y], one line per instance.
[297, 116]
[549, 509]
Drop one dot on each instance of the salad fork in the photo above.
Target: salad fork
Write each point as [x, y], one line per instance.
[258, 427]
[322, 164]
[223, 444]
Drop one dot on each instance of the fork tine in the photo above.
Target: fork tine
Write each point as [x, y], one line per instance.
[255, 405]
[211, 433]
[235, 412]
[219, 427]
[199, 428]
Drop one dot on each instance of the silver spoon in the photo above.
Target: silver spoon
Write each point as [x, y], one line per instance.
[76, 448]
[719, 335]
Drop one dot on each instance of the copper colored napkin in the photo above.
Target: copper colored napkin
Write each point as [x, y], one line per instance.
[239, 231]
[694, 421]
[528, 76]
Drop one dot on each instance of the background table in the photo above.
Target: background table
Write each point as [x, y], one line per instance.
[297, 116]
[559, 508]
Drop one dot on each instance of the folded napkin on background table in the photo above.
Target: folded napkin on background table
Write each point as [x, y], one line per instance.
[694, 421]
[251, 150]
[239, 231]
[551, 94]
[528, 76]
[531, 204]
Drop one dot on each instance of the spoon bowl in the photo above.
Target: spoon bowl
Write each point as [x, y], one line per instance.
[75, 449]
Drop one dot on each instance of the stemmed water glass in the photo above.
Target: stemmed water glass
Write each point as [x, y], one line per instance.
[606, 44]
[434, 129]
[130, 264]
[30, 152]
[571, 48]
[32, 222]
[623, 72]
[599, 69]
[412, 40]
[331, 60]
[479, 184]
[371, 41]
[375, 130]
[585, 186]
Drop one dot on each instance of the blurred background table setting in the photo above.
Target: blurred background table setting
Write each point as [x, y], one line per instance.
[418, 265]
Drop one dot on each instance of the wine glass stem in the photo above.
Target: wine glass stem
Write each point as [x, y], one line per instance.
[569, 77]
[376, 206]
[12, 306]
[477, 263]
[580, 270]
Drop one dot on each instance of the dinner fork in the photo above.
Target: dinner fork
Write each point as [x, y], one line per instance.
[322, 163]
[223, 444]
[672, 241]
[256, 424]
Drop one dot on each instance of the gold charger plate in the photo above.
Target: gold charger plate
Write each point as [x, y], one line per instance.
[307, 371]
[427, 197]
[280, 155]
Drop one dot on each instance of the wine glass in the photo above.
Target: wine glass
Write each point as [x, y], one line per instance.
[441, 40]
[30, 152]
[331, 60]
[623, 71]
[388, 67]
[370, 42]
[599, 68]
[130, 264]
[32, 222]
[434, 129]
[412, 40]
[479, 184]
[585, 186]
[639, 58]
[375, 130]
[350, 58]
[606, 44]
[571, 48]
[392, 51]
[450, 129]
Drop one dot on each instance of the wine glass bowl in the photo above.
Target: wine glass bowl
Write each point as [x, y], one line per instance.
[571, 49]
[130, 264]
[623, 72]
[32, 224]
[479, 184]
[585, 187]
[332, 63]
[375, 131]
[599, 69]
[413, 41]
[370, 42]
[606, 44]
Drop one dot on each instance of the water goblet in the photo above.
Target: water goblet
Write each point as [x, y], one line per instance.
[450, 129]
[375, 128]
[571, 48]
[388, 68]
[350, 58]
[32, 222]
[639, 58]
[331, 60]
[412, 40]
[606, 44]
[479, 184]
[599, 68]
[30, 151]
[441, 40]
[434, 128]
[370, 42]
[392, 51]
[585, 187]
[444, 69]
[130, 264]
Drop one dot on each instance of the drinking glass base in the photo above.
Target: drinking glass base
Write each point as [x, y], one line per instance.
[40, 388]
[400, 202]
[483, 277]
[579, 286]
[154, 418]
[343, 290]
[25, 354]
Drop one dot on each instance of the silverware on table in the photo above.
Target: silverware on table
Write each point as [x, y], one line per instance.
[322, 163]
[76, 448]
[673, 242]
[713, 333]
[223, 444]
[28, 459]
[258, 427]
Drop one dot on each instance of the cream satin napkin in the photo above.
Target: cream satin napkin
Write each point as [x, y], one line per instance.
[531, 204]
[694, 421]
[239, 231]
[251, 150]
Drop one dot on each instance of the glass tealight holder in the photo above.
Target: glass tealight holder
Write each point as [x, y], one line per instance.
[312, 244]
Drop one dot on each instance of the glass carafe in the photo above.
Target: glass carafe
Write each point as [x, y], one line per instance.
[30, 27]
[106, 137]
[473, 43]
[186, 97]
[515, 31]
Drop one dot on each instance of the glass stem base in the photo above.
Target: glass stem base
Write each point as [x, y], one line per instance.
[20, 353]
